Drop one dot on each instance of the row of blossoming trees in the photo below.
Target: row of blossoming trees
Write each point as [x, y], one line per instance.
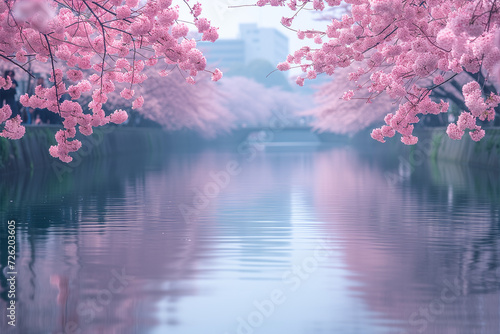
[403, 49]
[206, 108]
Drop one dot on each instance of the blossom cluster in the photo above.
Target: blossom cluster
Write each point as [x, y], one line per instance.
[97, 47]
[402, 46]
[13, 128]
[480, 108]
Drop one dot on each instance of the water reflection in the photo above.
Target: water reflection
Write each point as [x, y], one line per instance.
[412, 242]
[106, 249]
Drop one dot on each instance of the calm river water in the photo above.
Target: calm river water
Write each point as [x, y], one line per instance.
[291, 240]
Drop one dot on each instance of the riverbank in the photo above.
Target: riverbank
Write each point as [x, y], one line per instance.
[32, 151]
[485, 153]
[435, 144]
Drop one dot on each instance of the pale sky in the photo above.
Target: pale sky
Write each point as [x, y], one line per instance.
[228, 19]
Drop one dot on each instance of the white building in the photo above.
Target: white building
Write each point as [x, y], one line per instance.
[263, 43]
[253, 43]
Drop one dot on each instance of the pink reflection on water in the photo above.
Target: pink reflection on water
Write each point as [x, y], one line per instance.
[400, 244]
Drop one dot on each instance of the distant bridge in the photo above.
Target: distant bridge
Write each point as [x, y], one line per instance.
[268, 134]
[303, 134]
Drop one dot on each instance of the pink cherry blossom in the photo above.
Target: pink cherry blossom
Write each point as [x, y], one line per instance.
[122, 12]
[287, 21]
[377, 135]
[217, 75]
[210, 35]
[118, 117]
[348, 95]
[127, 93]
[454, 132]
[100, 46]
[283, 66]
[466, 121]
[197, 9]
[74, 75]
[409, 140]
[406, 52]
[202, 24]
[13, 128]
[300, 81]
[138, 103]
[5, 113]
[179, 30]
[388, 131]
[477, 134]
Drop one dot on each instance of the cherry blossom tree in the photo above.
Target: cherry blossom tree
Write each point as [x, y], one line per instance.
[339, 112]
[207, 108]
[254, 104]
[175, 105]
[95, 47]
[401, 45]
